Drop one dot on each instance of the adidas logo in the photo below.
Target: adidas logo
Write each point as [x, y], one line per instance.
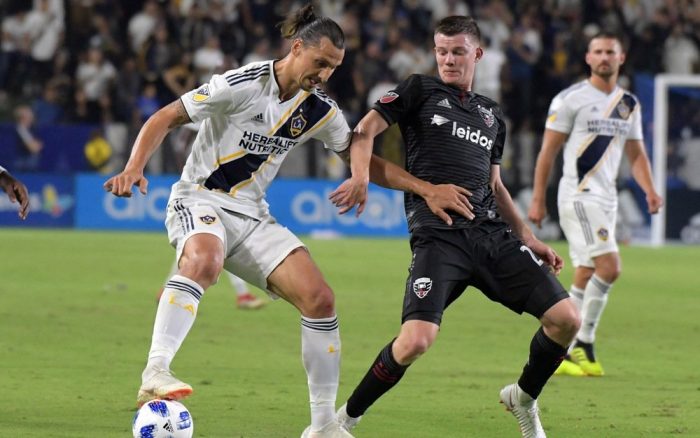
[445, 103]
[259, 118]
[168, 426]
[594, 109]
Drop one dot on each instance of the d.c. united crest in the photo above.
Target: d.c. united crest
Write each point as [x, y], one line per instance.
[297, 125]
[487, 115]
[422, 286]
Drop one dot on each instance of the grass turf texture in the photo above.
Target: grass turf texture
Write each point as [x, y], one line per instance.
[78, 307]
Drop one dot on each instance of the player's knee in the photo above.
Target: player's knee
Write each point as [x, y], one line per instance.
[610, 273]
[202, 267]
[319, 302]
[412, 346]
[563, 323]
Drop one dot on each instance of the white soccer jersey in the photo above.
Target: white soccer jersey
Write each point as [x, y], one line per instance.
[598, 125]
[245, 134]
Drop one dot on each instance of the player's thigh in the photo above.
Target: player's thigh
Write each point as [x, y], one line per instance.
[511, 274]
[272, 258]
[589, 229]
[298, 280]
[197, 229]
[440, 268]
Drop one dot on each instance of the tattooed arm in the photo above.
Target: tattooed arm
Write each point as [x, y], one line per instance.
[150, 137]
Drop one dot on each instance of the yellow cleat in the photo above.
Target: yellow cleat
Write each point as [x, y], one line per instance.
[568, 368]
[591, 368]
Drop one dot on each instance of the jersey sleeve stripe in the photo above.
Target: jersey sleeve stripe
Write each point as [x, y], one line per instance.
[253, 70]
[246, 78]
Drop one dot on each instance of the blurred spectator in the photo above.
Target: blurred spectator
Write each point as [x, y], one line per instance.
[14, 49]
[410, 58]
[680, 52]
[94, 77]
[28, 145]
[147, 103]
[488, 76]
[261, 51]
[45, 36]
[142, 25]
[158, 53]
[207, 59]
[47, 108]
[179, 78]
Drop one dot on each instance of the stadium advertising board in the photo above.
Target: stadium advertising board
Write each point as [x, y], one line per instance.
[98, 209]
[300, 205]
[303, 207]
[51, 202]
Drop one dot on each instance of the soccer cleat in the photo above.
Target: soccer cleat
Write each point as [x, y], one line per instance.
[590, 367]
[162, 385]
[569, 368]
[249, 301]
[330, 430]
[525, 411]
[347, 422]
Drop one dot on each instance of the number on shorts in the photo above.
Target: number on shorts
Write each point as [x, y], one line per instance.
[524, 248]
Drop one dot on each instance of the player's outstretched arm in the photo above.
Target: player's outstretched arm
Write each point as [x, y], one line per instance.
[16, 191]
[641, 171]
[551, 145]
[149, 139]
[353, 191]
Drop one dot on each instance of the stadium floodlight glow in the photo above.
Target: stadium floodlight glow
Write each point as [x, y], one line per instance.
[662, 84]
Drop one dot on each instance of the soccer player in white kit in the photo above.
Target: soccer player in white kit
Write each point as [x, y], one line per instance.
[217, 215]
[595, 120]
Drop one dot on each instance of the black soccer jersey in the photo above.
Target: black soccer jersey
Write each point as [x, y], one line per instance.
[451, 137]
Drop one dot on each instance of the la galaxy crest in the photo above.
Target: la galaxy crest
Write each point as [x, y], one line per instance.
[208, 220]
[603, 234]
[201, 94]
[623, 110]
[297, 125]
[487, 115]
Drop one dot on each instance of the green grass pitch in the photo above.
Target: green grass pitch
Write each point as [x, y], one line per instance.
[77, 310]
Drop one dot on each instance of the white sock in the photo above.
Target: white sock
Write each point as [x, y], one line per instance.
[576, 294]
[320, 352]
[595, 297]
[177, 310]
[240, 286]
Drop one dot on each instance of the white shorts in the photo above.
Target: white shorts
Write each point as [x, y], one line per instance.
[254, 247]
[590, 230]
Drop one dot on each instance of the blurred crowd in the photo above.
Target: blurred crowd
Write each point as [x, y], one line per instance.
[115, 62]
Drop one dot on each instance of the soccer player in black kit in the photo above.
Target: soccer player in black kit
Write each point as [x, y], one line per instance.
[456, 137]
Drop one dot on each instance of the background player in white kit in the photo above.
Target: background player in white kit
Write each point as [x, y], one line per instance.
[595, 120]
[217, 215]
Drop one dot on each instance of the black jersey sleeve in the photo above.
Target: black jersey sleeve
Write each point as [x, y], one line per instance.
[401, 100]
[500, 142]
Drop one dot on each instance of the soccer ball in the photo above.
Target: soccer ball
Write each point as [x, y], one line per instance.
[163, 419]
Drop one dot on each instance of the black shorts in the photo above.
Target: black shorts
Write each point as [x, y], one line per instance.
[488, 257]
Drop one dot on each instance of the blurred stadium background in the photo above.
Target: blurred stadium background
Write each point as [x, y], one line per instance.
[78, 78]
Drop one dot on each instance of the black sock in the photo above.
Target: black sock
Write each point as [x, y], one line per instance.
[545, 357]
[588, 348]
[384, 373]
